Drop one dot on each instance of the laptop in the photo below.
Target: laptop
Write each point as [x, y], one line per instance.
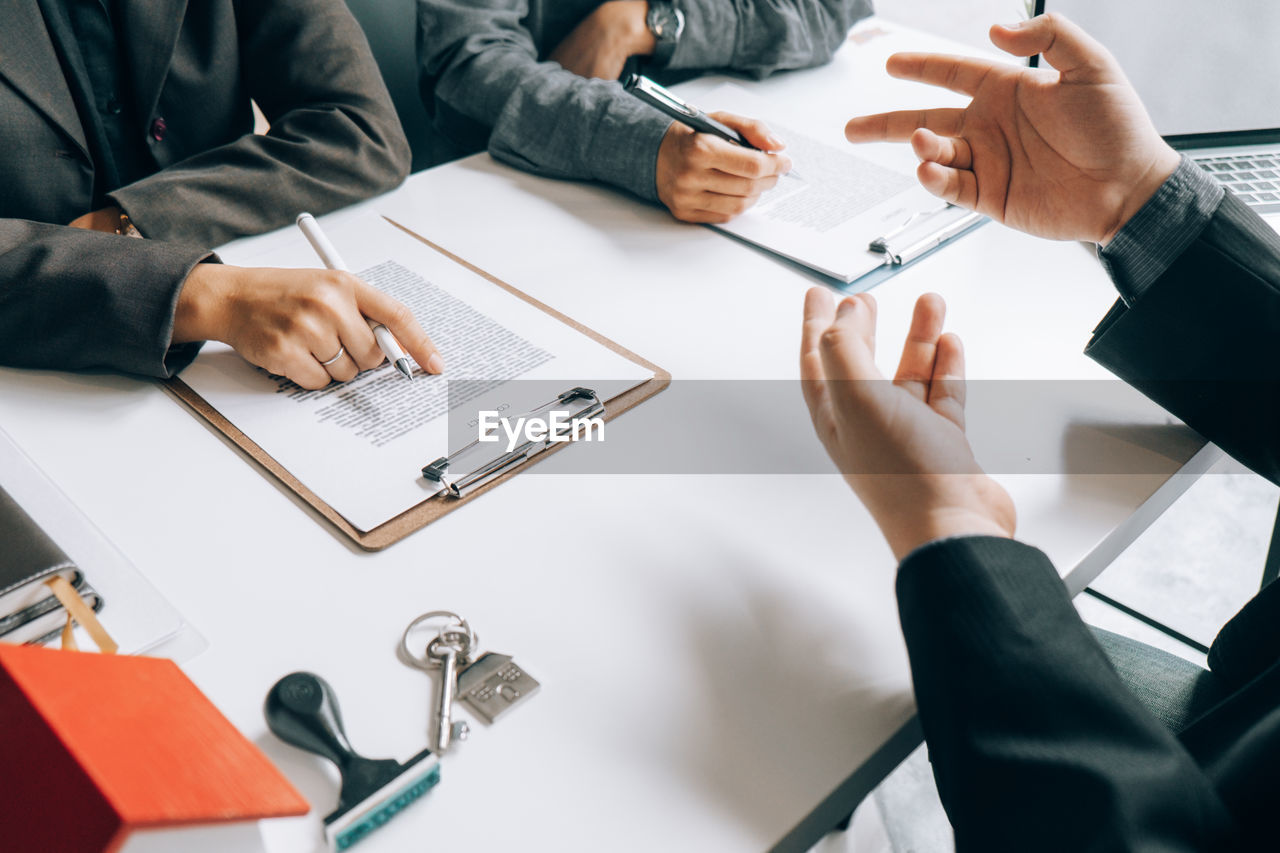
[1208, 75]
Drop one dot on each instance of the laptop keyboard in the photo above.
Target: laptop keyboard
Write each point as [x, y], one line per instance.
[1255, 178]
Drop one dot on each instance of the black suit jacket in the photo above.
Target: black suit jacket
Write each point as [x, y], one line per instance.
[1036, 743]
[71, 298]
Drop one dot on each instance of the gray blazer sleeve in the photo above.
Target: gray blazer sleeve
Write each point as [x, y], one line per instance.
[74, 299]
[480, 65]
[759, 37]
[481, 76]
[334, 137]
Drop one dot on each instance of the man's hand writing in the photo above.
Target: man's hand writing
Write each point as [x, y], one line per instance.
[702, 178]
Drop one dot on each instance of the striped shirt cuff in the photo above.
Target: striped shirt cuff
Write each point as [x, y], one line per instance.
[1162, 230]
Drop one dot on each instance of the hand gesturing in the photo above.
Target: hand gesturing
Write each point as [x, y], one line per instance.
[1066, 152]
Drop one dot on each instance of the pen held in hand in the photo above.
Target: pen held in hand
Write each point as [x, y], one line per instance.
[686, 113]
[332, 260]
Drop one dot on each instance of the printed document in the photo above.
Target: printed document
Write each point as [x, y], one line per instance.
[834, 203]
[361, 445]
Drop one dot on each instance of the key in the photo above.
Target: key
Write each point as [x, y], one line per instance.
[445, 651]
[449, 649]
[493, 684]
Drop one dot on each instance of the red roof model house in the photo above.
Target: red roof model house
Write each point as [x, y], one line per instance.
[114, 753]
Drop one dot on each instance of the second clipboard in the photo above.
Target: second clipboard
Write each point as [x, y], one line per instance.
[915, 240]
[918, 238]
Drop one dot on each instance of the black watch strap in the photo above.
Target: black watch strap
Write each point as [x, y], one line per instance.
[666, 22]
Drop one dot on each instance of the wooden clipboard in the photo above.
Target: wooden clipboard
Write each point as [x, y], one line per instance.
[429, 510]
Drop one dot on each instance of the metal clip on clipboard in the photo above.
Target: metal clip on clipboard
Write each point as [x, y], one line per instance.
[923, 233]
[475, 464]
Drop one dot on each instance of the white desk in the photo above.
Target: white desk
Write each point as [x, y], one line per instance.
[721, 662]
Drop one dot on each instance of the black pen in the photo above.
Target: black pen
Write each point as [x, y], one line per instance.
[682, 111]
[686, 113]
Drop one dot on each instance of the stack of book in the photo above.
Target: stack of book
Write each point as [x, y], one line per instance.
[29, 559]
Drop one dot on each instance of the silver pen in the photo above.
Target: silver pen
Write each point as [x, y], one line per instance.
[924, 237]
[332, 260]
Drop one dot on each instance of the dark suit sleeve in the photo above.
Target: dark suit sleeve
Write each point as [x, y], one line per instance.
[1250, 643]
[1035, 742]
[1201, 339]
[334, 137]
[75, 299]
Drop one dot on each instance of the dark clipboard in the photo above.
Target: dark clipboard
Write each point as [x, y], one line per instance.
[419, 516]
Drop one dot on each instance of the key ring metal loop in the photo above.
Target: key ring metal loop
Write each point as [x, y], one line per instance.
[464, 641]
[462, 648]
[423, 662]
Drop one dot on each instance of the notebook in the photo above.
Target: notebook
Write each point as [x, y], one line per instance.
[45, 535]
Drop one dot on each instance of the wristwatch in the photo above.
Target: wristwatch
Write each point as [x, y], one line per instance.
[666, 22]
[126, 228]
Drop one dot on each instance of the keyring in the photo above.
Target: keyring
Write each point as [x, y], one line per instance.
[462, 648]
[424, 663]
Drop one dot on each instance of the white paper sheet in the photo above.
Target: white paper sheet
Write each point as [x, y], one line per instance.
[833, 205]
[360, 446]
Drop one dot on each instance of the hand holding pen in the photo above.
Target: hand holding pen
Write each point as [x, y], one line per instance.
[711, 167]
[354, 350]
[290, 321]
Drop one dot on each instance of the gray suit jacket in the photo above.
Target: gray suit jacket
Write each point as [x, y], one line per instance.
[487, 81]
[79, 299]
